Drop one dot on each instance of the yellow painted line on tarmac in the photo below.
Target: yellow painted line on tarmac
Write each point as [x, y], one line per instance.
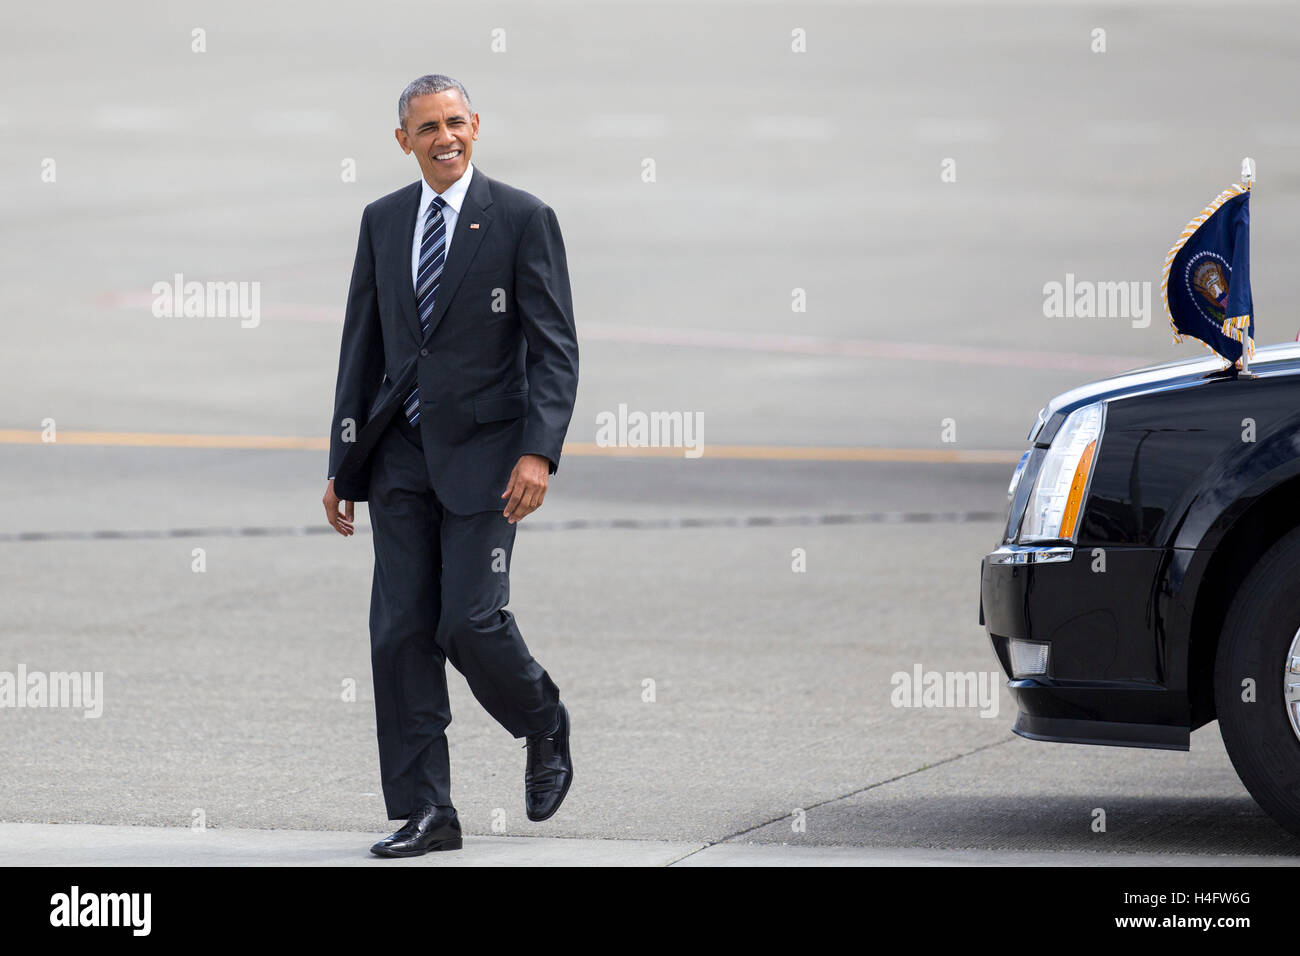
[804, 453]
[14, 436]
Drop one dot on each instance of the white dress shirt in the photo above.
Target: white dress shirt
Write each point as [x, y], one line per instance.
[454, 196]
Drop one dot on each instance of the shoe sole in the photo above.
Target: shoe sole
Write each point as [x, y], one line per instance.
[455, 843]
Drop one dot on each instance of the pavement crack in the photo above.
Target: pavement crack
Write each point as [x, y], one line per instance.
[854, 793]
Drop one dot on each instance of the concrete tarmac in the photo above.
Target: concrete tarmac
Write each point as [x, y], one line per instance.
[799, 270]
[85, 845]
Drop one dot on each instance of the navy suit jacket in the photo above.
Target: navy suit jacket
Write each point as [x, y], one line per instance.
[498, 369]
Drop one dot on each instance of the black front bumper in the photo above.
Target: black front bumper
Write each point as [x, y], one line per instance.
[1107, 679]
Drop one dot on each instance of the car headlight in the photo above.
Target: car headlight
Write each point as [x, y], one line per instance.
[1062, 483]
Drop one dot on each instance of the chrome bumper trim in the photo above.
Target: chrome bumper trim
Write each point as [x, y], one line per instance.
[1017, 554]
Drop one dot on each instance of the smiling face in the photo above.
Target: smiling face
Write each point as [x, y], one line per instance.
[440, 130]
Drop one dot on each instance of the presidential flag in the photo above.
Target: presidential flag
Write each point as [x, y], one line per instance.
[1206, 279]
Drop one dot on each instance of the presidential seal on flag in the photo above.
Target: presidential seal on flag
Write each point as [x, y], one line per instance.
[1206, 279]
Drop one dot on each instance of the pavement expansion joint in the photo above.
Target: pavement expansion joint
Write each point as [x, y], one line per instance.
[571, 524]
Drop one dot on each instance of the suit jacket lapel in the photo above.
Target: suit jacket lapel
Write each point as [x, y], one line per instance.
[403, 240]
[465, 244]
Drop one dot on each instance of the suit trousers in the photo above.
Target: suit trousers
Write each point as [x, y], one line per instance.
[440, 587]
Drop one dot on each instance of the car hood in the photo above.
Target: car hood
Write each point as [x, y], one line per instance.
[1283, 359]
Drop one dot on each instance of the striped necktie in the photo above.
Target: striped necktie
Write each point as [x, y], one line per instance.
[432, 255]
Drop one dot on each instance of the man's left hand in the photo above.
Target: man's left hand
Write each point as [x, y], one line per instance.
[527, 487]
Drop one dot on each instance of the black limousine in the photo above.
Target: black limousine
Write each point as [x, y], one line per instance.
[1148, 579]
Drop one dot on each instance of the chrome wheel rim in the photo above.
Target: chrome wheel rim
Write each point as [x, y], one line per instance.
[1291, 684]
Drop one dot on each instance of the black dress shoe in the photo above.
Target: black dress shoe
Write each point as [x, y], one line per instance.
[430, 827]
[549, 771]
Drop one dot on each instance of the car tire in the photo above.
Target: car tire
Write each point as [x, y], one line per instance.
[1258, 635]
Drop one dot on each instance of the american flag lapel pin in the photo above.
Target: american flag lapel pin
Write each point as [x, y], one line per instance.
[473, 225]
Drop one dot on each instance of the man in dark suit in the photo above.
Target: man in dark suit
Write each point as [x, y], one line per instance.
[457, 376]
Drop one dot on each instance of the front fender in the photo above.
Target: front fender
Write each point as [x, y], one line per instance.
[1234, 482]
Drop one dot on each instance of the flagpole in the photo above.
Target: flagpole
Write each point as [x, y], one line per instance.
[1247, 180]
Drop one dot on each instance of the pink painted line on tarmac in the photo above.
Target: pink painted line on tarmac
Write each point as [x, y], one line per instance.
[858, 348]
[746, 341]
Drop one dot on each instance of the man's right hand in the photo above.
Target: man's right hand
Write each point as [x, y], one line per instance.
[340, 519]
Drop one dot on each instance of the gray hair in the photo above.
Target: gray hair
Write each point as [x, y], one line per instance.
[432, 83]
